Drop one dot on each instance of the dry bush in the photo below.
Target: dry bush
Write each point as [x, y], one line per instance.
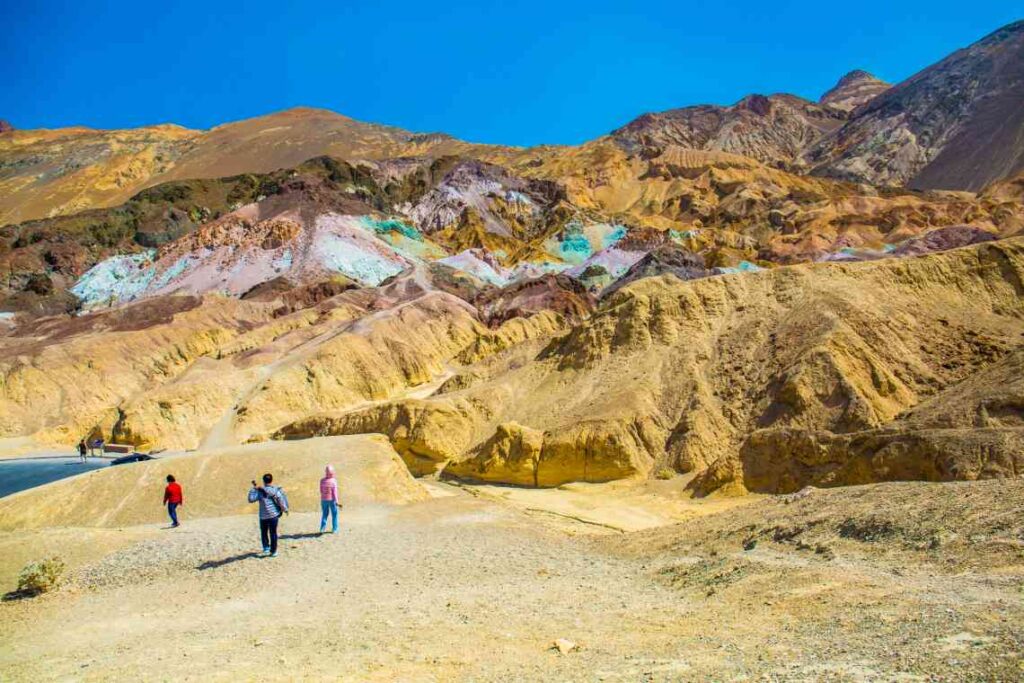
[41, 576]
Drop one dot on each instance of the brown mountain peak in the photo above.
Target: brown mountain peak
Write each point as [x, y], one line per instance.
[853, 90]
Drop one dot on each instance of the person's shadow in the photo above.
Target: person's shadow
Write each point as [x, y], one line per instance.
[214, 564]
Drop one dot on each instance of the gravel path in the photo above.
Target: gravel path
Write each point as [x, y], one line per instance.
[464, 588]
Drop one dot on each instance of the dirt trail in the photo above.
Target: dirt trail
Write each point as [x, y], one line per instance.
[461, 587]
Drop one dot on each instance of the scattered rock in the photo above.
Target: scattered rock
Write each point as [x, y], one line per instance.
[805, 492]
[564, 646]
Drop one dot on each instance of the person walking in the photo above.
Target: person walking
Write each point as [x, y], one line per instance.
[273, 503]
[329, 500]
[172, 499]
[82, 451]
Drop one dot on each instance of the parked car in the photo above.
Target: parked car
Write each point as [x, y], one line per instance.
[131, 457]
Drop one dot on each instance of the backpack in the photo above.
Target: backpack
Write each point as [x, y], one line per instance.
[276, 500]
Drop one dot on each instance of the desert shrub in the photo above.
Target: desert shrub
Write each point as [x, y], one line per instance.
[594, 270]
[41, 576]
[110, 234]
[269, 187]
[243, 191]
[166, 193]
[664, 473]
[336, 171]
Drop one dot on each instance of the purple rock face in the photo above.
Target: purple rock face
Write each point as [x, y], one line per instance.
[5, 126]
[942, 239]
[759, 104]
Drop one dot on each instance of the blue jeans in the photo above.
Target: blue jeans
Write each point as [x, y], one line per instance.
[172, 510]
[330, 506]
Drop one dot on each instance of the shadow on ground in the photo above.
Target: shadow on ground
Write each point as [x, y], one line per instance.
[19, 595]
[213, 564]
[293, 537]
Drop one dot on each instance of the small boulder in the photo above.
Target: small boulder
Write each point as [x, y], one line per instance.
[564, 646]
[799, 495]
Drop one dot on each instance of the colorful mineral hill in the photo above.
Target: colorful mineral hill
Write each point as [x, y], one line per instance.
[342, 244]
[741, 267]
[119, 278]
[577, 242]
[405, 239]
[605, 267]
[246, 254]
[481, 264]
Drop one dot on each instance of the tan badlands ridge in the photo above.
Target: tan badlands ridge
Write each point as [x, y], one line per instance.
[817, 374]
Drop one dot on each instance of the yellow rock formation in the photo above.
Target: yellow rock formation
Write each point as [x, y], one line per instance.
[691, 373]
[739, 379]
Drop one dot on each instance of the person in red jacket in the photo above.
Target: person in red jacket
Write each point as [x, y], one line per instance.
[173, 498]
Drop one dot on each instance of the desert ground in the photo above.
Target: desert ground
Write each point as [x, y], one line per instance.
[432, 581]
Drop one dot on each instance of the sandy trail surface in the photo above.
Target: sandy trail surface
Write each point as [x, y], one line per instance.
[840, 585]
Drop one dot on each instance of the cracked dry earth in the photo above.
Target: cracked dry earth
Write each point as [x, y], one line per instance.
[841, 584]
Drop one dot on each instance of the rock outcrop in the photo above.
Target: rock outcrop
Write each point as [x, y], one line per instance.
[669, 258]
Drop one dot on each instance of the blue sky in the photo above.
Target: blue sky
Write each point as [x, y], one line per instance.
[516, 73]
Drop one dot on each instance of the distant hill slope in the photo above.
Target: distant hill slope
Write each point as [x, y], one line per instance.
[774, 129]
[288, 138]
[958, 124]
[44, 173]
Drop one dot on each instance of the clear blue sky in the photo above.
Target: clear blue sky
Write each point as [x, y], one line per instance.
[517, 73]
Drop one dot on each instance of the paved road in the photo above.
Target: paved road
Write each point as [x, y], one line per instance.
[21, 474]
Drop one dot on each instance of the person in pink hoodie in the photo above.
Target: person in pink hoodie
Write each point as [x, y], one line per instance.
[329, 500]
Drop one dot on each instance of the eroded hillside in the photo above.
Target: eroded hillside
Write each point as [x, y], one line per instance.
[824, 374]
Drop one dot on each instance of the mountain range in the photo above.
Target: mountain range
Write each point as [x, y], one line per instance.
[766, 294]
